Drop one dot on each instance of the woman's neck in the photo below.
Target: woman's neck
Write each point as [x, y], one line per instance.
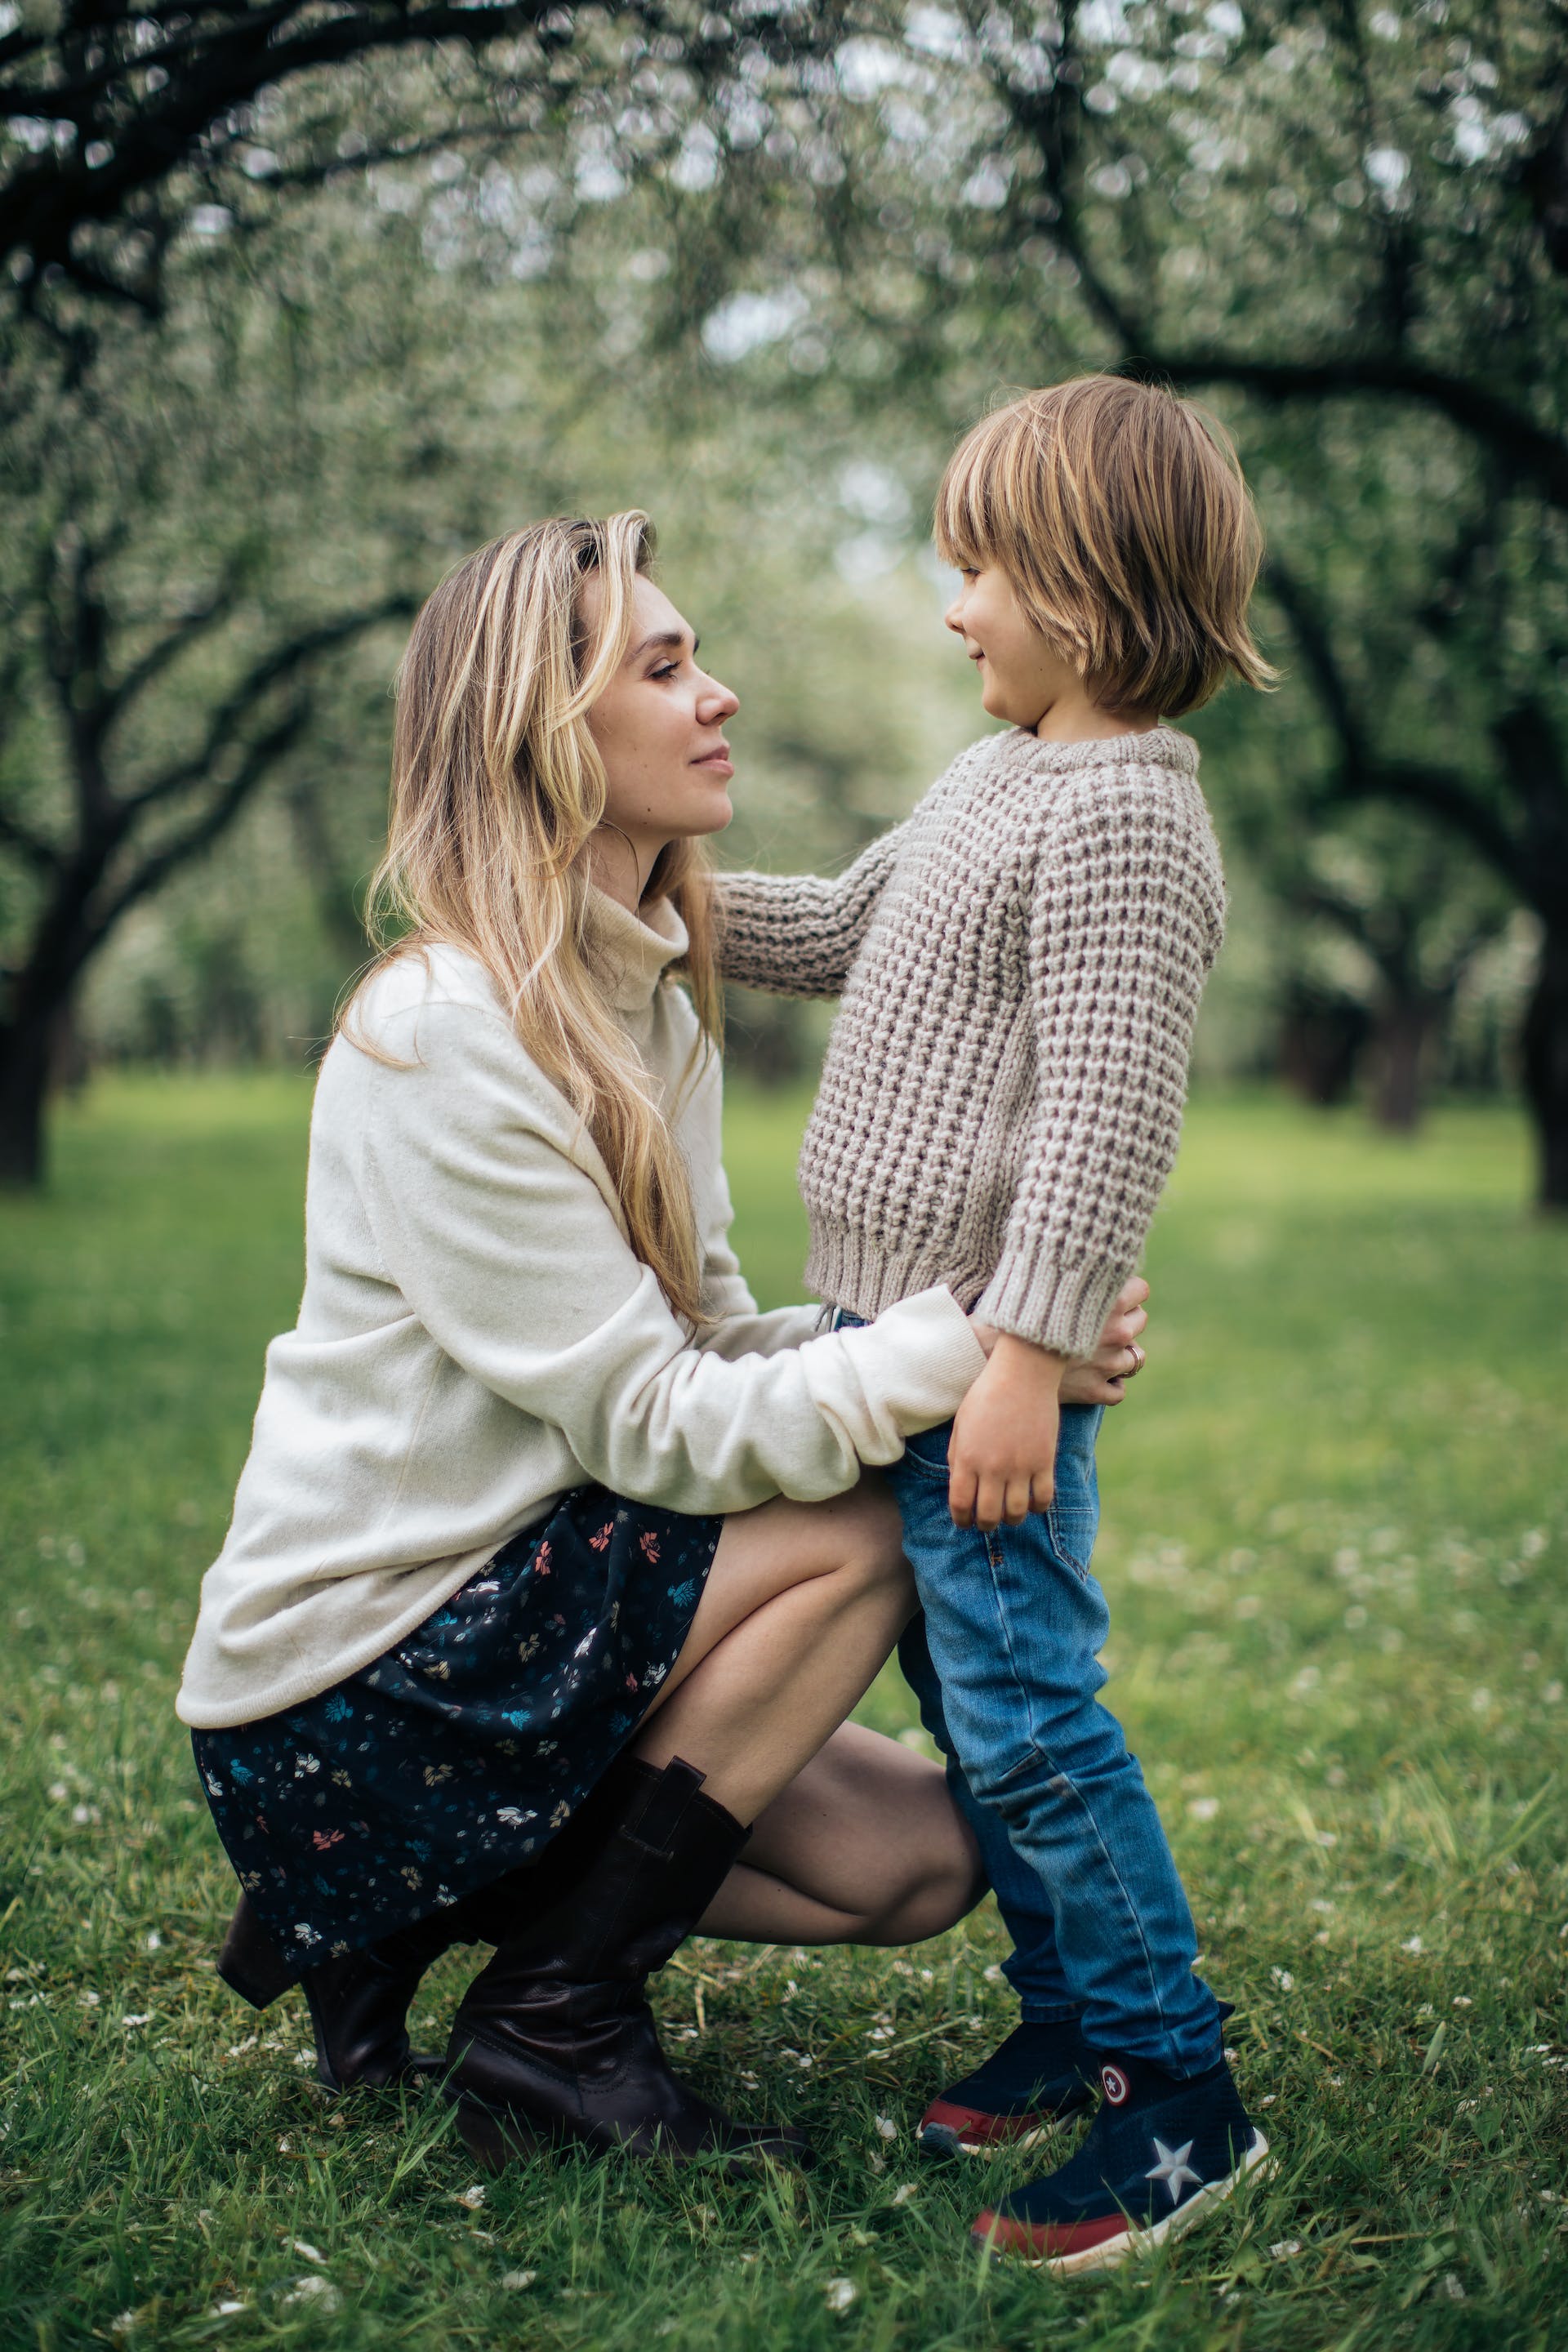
[620, 864]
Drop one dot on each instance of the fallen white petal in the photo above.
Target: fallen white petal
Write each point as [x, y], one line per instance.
[313, 2288]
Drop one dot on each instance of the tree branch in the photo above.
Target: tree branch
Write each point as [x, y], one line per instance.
[41, 855]
[214, 75]
[203, 830]
[1524, 449]
[157, 658]
[283, 662]
[1362, 774]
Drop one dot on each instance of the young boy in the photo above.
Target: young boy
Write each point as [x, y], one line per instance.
[1020, 965]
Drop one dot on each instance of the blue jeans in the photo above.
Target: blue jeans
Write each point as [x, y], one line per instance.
[1005, 1662]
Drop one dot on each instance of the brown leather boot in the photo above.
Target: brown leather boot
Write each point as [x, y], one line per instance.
[554, 2043]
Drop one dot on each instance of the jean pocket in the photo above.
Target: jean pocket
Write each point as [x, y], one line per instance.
[927, 1451]
[1072, 1523]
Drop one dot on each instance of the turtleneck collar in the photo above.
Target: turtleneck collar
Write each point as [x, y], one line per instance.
[631, 953]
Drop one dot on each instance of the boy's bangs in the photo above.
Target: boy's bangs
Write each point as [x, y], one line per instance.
[965, 506]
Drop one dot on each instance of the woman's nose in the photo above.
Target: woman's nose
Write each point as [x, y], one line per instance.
[716, 703]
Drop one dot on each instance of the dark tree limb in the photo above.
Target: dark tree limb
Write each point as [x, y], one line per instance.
[217, 61]
[1526, 451]
[188, 630]
[1361, 774]
[23, 843]
[258, 759]
[282, 662]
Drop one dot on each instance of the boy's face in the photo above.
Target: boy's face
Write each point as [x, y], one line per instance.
[1021, 677]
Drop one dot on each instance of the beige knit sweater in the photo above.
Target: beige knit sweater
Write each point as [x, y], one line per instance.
[1020, 965]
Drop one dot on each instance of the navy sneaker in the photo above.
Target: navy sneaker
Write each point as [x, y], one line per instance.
[1160, 2154]
[1040, 2073]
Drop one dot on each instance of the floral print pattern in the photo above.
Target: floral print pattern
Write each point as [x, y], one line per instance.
[456, 1756]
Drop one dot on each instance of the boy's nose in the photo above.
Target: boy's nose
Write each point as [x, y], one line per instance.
[954, 616]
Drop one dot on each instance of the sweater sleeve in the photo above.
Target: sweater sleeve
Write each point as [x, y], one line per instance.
[797, 934]
[496, 1221]
[1126, 921]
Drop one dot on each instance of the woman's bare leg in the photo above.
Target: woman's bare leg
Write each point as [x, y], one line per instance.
[864, 1846]
[802, 1604]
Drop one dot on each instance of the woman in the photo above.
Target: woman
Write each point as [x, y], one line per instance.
[551, 1567]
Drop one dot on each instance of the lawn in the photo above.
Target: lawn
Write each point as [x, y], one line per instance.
[1336, 1519]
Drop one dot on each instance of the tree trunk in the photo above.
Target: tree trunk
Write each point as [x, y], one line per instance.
[25, 1061]
[1400, 1044]
[1321, 1040]
[1546, 1064]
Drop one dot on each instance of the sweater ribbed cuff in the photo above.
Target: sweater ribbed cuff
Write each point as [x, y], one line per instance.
[1062, 1308]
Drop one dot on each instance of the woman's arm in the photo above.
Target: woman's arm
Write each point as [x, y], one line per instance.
[797, 934]
[499, 1229]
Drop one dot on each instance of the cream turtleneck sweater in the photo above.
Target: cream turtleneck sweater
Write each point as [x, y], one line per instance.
[476, 1337]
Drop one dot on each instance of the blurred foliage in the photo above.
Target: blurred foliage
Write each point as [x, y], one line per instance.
[754, 275]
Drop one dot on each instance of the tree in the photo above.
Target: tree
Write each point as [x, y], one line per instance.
[1368, 207]
[1350, 221]
[119, 121]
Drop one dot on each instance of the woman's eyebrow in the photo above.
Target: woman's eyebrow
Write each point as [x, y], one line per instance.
[675, 638]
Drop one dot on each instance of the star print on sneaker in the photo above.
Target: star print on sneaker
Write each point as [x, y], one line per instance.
[1038, 2075]
[1160, 2154]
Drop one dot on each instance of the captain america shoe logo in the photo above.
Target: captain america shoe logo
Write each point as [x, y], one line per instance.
[1115, 2086]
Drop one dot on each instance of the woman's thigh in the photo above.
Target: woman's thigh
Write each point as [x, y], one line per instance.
[764, 1553]
[869, 1829]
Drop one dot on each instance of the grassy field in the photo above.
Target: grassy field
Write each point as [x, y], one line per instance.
[1336, 1523]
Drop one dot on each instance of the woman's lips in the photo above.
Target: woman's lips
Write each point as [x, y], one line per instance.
[719, 762]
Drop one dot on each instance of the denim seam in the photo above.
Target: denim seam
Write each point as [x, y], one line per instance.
[1066, 1780]
[1063, 1552]
[917, 1464]
[992, 1544]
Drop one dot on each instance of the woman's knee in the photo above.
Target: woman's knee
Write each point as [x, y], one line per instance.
[872, 1552]
[936, 1900]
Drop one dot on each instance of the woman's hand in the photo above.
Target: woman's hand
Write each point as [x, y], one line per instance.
[1101, 1379]
[1002, 1453]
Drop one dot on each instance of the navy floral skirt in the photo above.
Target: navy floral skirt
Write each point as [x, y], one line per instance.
[456, 1756]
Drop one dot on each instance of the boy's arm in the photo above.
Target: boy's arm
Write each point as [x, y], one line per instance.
[1127, 920]
[797, 934]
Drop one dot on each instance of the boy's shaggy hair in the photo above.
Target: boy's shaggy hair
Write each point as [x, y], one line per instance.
[1120, 515]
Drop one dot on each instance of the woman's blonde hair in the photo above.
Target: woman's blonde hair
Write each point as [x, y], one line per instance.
[1120, 515]
[496, 786]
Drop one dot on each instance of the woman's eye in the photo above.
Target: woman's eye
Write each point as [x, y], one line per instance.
[666, 669]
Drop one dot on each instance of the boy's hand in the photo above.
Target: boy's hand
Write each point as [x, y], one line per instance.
[1001, 1458]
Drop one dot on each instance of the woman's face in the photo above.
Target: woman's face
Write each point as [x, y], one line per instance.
[658, 727]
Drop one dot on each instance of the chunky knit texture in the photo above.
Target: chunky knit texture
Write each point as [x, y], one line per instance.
[1020, 965]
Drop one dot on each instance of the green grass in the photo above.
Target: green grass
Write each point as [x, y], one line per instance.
[1336, 1519]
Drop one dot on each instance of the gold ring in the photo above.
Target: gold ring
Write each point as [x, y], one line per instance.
[1140, 1359]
